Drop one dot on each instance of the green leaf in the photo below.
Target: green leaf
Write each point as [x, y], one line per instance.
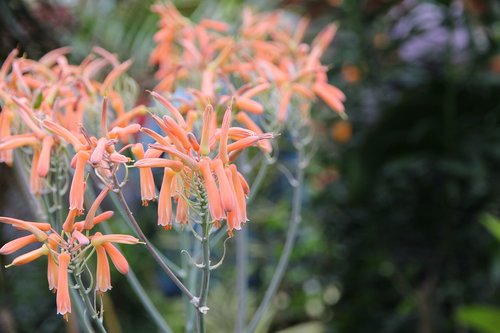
[492, 224]
[484, 319]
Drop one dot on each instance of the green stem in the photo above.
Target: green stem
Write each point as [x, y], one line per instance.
[135, 283]
[85, 324]
[192, 280]
[205, 277]
[154, 253]
[88, 304]
[289, 243]
[188, 310]
[175, 268]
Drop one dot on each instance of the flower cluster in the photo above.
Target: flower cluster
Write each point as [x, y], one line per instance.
[71, 114]
[69, 251]
[50, 109]
[80, 121]
[48, 101]
[197, 174]
[265, 56]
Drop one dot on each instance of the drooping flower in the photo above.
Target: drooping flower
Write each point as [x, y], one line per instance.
[103, 275]
[103, 247]
[63, 299]
[77, 190]
[148, 187]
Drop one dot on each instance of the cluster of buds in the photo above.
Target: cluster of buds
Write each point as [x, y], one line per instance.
[265, 56]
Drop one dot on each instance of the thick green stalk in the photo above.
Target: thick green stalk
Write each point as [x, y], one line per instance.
[88, 304]
[77, 302]
[205, 277]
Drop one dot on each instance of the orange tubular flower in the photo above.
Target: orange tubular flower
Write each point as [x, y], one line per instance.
[44, 161]
[176, 131]
[226, 190]
[123, 132]
[102, 244]
[81, 238]
[63, 300]
[17, 244]
[117, 258]
[35, 179]
[52, 268]
[331, 95]
[181, 214]
[63, 133]
[103, 216]
[37, 229]
[239, 193]
[248, 141]
[98, 239]
[70, 220]
[89, 219]
[98, 152]
[249, 105]
[208, 115]
[165, 199]
[214, 203]
[224, 133]
[6, 117]
[30, 256]
[159, 163]
[103, 275]
[17, 141]
[148, 188]
[234, 217]
[78, 183]
[243, 118]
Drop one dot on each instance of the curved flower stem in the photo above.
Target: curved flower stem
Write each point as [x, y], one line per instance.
[132, 278]
[290, 241]
[85, 324]
[175, 268]
[205, 278]
[88, 304]
[154, 253]
[242, 255]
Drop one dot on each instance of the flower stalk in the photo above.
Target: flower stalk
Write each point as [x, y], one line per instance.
[205, 275]
[153, 251]
[96, 319]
